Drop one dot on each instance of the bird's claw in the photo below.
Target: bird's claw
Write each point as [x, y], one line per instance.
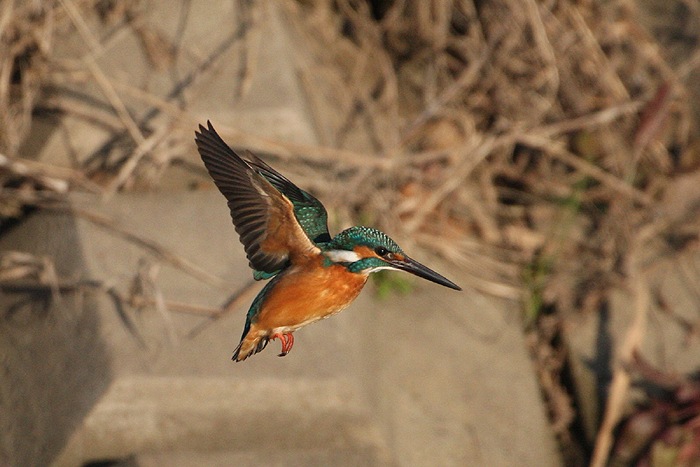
[287, 342]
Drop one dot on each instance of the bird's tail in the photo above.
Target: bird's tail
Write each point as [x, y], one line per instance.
[250, 345]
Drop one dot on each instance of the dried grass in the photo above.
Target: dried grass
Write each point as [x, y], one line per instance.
[500, 122]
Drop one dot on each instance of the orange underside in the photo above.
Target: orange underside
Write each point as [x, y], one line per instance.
[307, 293]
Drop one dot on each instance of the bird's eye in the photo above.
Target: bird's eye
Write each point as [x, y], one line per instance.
[381, 251]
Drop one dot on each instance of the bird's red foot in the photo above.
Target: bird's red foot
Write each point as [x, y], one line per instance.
[287, 342]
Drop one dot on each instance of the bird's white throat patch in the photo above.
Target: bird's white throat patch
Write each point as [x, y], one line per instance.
[342, 256]
[381, 268]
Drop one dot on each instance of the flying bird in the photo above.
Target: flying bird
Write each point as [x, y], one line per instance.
[284, 231]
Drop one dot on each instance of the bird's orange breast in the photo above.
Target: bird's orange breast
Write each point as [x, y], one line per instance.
[309, 292]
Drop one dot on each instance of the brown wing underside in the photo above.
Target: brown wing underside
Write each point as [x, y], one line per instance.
[263, 217]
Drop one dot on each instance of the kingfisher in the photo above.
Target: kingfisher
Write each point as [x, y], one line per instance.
[284, 231]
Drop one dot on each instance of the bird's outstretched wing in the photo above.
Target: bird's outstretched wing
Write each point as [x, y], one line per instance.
[263, 215]
[309, 211]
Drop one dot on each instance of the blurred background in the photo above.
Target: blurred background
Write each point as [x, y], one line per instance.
[544, 155]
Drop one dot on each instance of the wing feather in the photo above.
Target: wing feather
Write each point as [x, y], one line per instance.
[262, 215]
[309, 211]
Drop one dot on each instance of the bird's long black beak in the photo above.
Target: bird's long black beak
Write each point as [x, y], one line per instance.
[414, 267]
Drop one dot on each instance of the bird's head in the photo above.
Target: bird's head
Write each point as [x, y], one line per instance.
[365, 250]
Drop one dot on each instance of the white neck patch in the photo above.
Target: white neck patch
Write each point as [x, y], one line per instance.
[342, 256]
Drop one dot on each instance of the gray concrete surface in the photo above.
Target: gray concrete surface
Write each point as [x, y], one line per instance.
[54, 367]
[435, 376]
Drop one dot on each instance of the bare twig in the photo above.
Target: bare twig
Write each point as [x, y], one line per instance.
[100, 77]
[241, 296]
[152, 246]
[641, 296]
